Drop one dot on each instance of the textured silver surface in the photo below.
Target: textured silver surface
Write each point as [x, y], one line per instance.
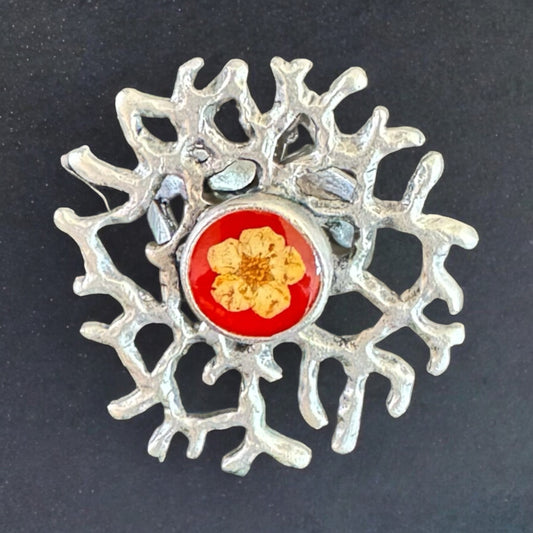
[333, 179]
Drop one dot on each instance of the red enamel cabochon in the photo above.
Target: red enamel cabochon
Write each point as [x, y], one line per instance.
[249, 323]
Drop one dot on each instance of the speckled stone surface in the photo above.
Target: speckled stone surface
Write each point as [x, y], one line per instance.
[461, 458]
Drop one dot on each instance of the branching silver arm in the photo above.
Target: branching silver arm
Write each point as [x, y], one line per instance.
[360, 356]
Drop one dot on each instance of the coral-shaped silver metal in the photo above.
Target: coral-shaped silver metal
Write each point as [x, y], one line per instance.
[326, 185]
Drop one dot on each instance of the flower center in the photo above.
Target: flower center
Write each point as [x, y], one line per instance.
[255, 270]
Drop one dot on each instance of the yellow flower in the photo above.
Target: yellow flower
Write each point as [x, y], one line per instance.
[255, 271]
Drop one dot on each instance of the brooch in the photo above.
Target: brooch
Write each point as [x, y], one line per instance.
[271, 227]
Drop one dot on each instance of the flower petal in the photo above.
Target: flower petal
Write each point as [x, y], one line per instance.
[261, 242]
[271, 299]
[232, 293]
[288, 266]
[225, 257]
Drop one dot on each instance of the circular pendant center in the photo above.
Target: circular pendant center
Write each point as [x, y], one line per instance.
[256, 267]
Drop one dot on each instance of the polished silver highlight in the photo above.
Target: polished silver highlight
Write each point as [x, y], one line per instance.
[332, 179]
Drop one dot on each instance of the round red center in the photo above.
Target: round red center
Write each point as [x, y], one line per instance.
[249, 323]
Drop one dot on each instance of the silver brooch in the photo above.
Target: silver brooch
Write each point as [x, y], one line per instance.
[270, 229]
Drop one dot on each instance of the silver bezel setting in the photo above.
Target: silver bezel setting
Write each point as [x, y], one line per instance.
[296, 216]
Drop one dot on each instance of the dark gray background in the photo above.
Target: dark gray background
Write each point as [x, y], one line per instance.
[461, 459]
